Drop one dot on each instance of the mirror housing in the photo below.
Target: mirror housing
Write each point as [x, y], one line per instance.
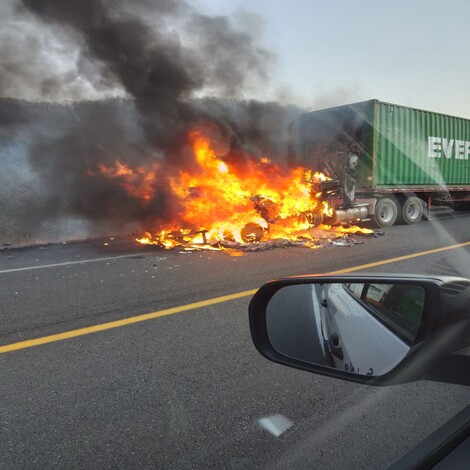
[443, 331]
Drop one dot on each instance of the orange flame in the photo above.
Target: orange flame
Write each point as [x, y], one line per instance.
[223, 201]
[138, 182]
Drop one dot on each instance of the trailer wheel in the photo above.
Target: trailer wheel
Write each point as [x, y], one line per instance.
[385, 213]
[412, 211]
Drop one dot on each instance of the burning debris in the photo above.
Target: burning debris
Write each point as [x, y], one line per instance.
[323, 238]
[226, 204]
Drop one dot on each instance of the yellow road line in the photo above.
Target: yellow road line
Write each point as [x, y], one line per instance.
[203, 303]
[125, 321]
[400, 258]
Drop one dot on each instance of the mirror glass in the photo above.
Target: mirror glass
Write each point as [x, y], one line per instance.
[366, 329]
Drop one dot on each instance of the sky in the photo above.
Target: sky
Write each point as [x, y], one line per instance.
[322, 52]
[329, 52]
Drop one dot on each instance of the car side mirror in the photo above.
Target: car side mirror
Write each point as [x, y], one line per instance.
[376, 329]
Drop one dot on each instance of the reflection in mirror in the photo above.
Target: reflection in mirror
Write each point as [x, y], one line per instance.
[365, 329]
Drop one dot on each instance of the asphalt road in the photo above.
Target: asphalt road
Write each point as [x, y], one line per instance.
[187, 390]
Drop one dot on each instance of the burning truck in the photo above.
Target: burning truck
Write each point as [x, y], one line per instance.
[228, 199]
[384, 162]
[226, 202]
[369, 161]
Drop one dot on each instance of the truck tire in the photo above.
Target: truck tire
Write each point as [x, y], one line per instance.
[412, 211]
[385, 213]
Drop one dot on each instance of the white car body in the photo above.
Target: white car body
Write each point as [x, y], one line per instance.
[372, 353]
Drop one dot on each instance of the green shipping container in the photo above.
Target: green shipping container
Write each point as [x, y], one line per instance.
[399, 148]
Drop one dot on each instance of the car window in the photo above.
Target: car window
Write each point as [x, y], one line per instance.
[355, 289]
[398, 306]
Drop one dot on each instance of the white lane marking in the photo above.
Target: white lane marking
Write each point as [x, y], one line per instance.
[69, 263]
[316, 304]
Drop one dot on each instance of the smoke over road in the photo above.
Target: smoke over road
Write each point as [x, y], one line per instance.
[102, 80]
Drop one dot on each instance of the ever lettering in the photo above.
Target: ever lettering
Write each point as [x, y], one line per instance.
[441, 147]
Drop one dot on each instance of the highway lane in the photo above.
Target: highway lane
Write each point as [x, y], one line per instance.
[38, 302]
[186, 390]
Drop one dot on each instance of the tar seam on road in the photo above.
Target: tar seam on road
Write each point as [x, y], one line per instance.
[204, 303]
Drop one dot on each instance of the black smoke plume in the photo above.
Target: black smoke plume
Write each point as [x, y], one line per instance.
[160, 55]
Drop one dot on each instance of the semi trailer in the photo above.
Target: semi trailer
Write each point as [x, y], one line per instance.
[384, 162]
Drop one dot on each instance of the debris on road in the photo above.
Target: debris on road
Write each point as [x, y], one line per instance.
[275, 424]
[317, 239]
